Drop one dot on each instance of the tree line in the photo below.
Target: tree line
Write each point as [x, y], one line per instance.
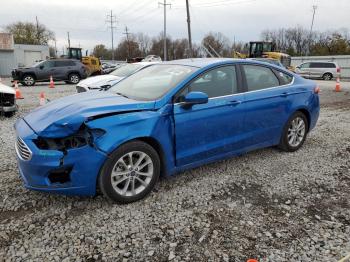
[295, 41]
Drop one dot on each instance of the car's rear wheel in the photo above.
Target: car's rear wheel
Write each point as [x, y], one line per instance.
[74, 78]
[327, 76]
[28, 80]
[130, 173]
[294, 132]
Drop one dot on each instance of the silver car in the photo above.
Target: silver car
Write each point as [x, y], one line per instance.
[323, 70]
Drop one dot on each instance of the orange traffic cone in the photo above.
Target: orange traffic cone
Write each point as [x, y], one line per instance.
[18, 92]
[42, 100]
[52, 84]
[337, 85]
[252, 260]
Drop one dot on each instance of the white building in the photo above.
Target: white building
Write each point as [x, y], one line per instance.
[13, 55]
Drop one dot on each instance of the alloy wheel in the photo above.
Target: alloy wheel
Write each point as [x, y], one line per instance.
[74, 79]
[132, 173]
[296, 132]
[28, 80]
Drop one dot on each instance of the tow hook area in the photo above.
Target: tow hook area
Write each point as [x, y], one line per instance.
[60, 175]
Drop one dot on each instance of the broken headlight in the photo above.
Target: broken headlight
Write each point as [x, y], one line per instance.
[80, 139]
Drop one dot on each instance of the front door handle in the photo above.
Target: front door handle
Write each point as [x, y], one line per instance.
[284, 94]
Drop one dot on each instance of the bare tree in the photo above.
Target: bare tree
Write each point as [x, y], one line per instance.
[30, 33]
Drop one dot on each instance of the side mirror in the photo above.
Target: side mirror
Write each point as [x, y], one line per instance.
[298, 67]
[41, 67]
[194, 98]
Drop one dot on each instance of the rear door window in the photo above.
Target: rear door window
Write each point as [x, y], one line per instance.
[259, 77]
[63, 63]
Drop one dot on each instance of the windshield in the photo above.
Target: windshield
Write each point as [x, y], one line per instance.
[126, 70]
[152, 82]
[37, 63]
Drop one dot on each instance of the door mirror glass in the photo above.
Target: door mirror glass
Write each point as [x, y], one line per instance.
[41, 67]
[194, 98]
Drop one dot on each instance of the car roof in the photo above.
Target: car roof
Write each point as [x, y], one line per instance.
[146, 63]
[202, 62]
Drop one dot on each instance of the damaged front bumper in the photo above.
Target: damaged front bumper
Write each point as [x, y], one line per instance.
[73, 172]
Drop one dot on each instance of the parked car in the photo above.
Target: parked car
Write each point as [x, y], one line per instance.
[162, 120]
[8, 105]
[67, 70]
[106, 81]
[270, 61]
[322, 70]
[152, 58]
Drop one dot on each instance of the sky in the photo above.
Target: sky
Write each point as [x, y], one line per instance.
[242, 20]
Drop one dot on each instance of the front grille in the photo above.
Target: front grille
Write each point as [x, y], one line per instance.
[22, 150]
[7, 99]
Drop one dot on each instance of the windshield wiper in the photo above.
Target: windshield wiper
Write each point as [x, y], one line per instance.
[122, 95]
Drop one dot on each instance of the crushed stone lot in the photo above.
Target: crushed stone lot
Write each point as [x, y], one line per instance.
[267, 204]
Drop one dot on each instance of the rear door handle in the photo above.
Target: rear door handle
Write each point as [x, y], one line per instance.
[285, 94]
[235, 102]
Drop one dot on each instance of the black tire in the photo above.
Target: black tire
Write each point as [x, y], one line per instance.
[285, 144]
[28, 80]
[327, 76]
[10, 114]
[74, 78]
[105, 176]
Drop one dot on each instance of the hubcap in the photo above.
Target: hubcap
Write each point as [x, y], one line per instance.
[28, 80]
[132, 173]
[74, 79]
[296, 132]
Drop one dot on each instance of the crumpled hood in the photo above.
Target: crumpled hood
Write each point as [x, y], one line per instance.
[98, 81]
[64, 116]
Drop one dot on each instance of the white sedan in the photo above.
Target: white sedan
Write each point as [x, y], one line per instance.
[106, 81]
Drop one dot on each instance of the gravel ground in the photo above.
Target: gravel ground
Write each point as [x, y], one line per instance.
[267, 204]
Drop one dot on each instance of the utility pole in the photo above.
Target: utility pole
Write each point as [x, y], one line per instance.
[37, 30]
[165, 6]
[55, 48]
[127, 40]
[314, 7]
[68, 40]
[112, 20]
[189, 28]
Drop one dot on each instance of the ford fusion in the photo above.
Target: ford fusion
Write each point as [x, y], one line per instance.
[160, 121]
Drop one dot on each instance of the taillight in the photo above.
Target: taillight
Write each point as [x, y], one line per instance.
[317, 90]
[338, 69]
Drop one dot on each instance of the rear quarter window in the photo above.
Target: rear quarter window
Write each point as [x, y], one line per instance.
[284, 78]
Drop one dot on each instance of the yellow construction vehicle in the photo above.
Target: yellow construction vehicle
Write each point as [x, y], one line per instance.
[92, 63]
[265, 50]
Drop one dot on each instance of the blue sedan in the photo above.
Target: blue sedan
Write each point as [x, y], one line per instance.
[162, 120]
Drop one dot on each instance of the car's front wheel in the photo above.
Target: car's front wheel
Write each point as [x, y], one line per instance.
[74, 78]
[130, 173]
[294, 132]
[28, 80]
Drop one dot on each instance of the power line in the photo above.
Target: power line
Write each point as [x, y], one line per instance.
[165, 6]
[112, 20]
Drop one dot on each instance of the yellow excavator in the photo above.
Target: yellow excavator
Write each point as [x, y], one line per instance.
[261, 49]
[92, 63]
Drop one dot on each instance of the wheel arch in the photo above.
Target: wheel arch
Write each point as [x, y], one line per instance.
[28, 73]
[307, 114]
